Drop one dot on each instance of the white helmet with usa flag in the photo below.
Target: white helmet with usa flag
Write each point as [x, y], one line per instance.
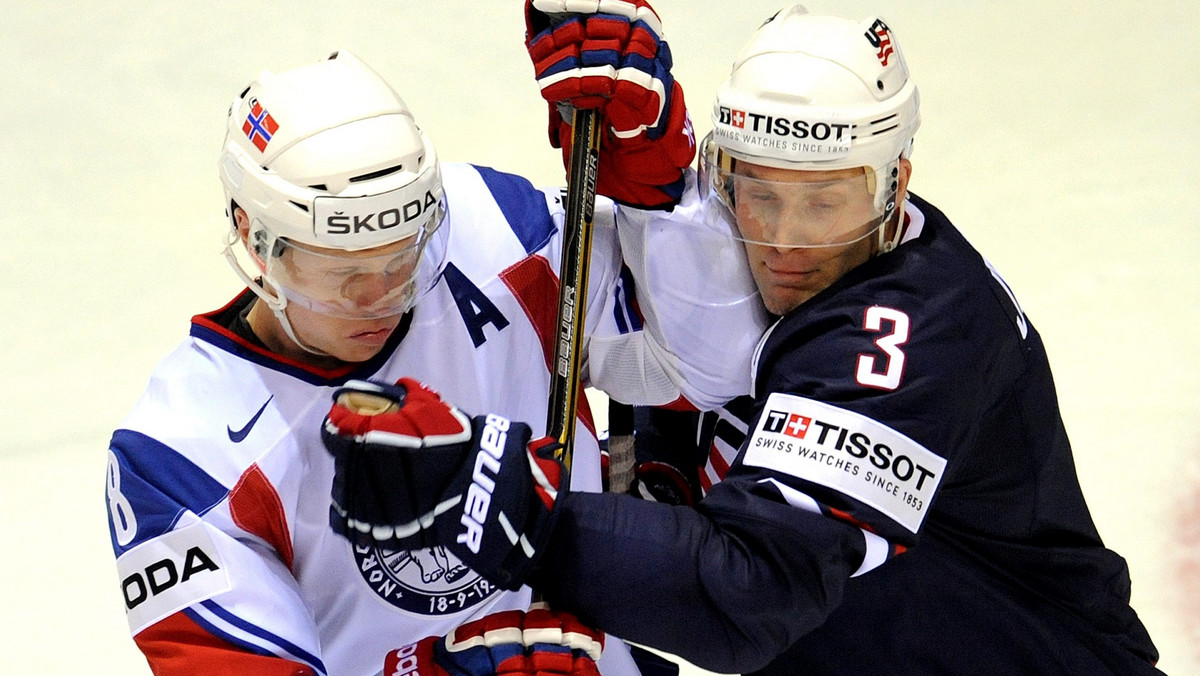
[816, 93]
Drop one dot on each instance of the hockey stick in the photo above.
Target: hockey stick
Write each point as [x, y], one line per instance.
[573, 280]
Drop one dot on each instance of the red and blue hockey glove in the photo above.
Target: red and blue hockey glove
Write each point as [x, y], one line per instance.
[662, 482]
[412, 472]
[610, 55]
[512, 643]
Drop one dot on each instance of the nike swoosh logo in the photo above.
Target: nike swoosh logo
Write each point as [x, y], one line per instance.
[238, 435]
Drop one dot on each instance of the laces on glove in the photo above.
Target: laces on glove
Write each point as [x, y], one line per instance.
[514, 643]
[383, 438]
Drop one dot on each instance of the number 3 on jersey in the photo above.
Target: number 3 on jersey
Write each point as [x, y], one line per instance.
[884, 372]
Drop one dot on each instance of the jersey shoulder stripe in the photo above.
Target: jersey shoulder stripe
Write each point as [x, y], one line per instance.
[255, 506]
[534, 286]
[179, 486]
[523, 206]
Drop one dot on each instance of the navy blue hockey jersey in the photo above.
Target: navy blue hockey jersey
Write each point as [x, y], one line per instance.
[899, 496]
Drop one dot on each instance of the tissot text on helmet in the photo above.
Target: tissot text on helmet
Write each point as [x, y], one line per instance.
[781, 126]
[790, 137]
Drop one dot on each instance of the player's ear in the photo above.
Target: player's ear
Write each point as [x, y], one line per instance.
[902, 180]
[243, 223]
[242, 219]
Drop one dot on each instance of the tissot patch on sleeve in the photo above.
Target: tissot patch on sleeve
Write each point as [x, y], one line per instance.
[169, 573]
[847, 452]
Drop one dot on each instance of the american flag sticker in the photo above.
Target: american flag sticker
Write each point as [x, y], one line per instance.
[880, 37]
[259, 126]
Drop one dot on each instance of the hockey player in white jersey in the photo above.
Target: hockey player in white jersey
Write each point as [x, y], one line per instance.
[364, 257]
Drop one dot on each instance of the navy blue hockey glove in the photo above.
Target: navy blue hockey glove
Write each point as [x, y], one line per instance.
[617, 63]
[510, 643]
[669, 460]
[412, 472]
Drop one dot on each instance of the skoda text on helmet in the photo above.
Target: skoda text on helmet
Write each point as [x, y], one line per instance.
[816, 93]
[341, 187]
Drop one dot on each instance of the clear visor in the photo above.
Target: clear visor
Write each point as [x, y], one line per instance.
[788, 209]
[371, 283]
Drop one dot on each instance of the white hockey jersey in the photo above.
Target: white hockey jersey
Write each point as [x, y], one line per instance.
[218, 484]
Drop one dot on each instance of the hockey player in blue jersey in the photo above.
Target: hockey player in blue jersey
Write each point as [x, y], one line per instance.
[898, 496]
[366, 257]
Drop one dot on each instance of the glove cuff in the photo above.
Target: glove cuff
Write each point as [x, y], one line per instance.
[640, 172]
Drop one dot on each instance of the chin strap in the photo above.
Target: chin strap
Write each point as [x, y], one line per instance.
[277, 304]
[893, 207]
[277, 308]
[883, 243]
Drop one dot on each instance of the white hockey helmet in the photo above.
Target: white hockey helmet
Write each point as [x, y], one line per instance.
[816, 93]
[326, 158]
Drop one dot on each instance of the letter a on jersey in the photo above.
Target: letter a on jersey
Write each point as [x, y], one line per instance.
[476, 310]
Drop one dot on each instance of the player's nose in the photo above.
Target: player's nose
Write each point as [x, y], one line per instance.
[366, 289]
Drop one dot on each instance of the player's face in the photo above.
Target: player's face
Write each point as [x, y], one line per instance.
[345, 340]
[366, 284]
[803, 230]
[343, 304]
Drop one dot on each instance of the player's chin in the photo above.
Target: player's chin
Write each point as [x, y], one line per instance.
[353, 352]
[360, 340]
[781, 299]
[780, 304]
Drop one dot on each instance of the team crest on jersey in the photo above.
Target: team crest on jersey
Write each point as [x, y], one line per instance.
[426, 582]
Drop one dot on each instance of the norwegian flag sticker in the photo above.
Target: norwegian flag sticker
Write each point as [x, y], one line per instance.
[259, 126]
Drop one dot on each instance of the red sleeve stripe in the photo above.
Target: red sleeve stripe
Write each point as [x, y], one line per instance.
[178, 646]
[256, 508]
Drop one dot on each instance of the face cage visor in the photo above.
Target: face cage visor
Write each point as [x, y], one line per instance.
[786, 211]
[374, 283]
